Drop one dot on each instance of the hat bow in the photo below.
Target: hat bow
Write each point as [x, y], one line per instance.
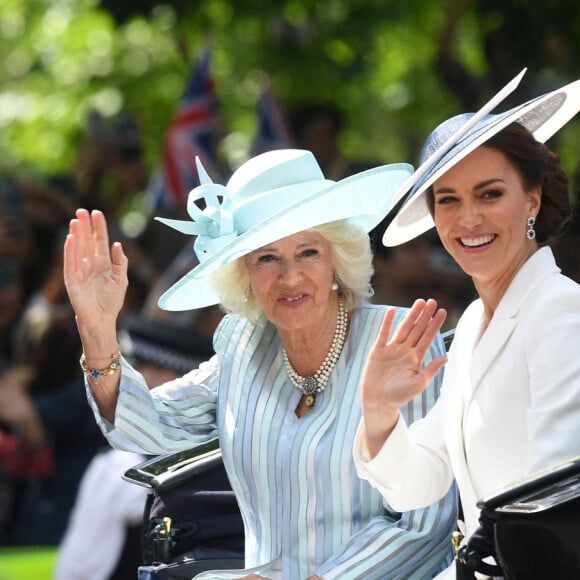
[213, 225]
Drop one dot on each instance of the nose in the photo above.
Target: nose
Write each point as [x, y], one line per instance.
[470, 215]
[290, 273]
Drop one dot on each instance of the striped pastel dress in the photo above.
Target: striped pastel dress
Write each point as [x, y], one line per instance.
[305, 510]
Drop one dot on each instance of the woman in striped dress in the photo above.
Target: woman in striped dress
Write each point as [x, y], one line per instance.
[286, 253]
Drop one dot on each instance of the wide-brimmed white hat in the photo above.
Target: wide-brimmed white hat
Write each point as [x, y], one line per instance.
[455, 138]
[271, 196]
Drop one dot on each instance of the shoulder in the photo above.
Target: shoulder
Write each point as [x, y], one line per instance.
[544, 286]
[233, 328]
[549, 292]
[555, 304]
[558, 285]
[227, 324]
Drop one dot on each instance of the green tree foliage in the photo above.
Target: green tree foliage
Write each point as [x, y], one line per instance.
[396, 68]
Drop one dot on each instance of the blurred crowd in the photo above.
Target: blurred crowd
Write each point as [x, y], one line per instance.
[48, 435]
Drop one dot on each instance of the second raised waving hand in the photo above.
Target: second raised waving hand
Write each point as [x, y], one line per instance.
[394, 371]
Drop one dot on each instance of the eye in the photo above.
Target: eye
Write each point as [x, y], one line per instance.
[266, 259]
[492, 193]
[309, 253]
[445, 199]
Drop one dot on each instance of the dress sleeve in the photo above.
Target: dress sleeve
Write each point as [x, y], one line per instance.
[171, 417]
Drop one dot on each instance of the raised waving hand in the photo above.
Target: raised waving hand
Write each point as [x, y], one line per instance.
[95, 274]
[394, 371]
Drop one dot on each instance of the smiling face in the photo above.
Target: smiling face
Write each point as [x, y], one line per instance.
[292, 279]
[480, 213]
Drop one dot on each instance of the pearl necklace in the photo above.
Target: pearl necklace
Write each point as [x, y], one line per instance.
[317, 382]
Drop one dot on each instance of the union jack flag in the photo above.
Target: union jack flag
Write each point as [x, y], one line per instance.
[194, 131]
[273, 131]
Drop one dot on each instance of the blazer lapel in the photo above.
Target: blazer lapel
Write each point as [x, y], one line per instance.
[505, 318]
[490, 344]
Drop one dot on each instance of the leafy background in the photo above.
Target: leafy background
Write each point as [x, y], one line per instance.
[397, 68]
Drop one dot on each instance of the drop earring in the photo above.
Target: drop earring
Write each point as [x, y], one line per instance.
[531, 232]
[335, 284]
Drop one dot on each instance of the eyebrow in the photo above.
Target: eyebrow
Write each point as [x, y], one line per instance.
[299, 247]
[480, 185]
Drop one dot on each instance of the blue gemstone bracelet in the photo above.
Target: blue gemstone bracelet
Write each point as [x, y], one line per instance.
[96, 373]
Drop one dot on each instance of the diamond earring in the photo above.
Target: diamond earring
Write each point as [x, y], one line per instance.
[531, 232]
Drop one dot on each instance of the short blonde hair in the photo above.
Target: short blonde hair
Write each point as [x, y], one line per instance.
[351, 255]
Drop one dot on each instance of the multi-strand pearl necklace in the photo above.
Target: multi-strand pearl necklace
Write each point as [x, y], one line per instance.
[317, 382]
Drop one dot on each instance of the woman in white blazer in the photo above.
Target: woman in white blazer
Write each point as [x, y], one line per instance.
[510, 403]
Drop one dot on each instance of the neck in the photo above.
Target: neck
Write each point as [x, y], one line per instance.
[306, 348]
[315, 381]
[491, 291]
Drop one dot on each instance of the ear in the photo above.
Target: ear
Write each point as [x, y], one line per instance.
[535, 200]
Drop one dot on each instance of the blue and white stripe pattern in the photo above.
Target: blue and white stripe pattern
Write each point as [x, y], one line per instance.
[304, 508]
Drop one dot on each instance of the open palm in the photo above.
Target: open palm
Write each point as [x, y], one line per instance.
[95, 276]
[394, 371]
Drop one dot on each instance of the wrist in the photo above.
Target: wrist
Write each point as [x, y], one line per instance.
[98, 328]
[98, 343]
[375, 434]
[102, 365]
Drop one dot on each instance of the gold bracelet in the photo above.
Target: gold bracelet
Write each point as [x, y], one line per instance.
[96, 373]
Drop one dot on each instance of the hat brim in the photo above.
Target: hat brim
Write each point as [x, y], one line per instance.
[364, 198]
[542, 116]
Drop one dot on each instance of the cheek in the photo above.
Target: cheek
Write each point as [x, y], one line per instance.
[260, 282]
[442, 221]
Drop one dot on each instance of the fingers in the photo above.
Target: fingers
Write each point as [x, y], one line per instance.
[89, 235]
[81, 229]
[72, 255]
[415, 319]
[421, 323]
[434, 367]
[429, 329]
[100, 233]
[119, 261]
[92, 232]
[386, 326]
[68, 255]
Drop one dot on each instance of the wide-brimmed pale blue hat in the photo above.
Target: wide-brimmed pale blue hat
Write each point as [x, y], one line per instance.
[271, 196]
[455, 138]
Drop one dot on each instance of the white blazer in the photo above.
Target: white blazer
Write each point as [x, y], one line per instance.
[510, 403]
